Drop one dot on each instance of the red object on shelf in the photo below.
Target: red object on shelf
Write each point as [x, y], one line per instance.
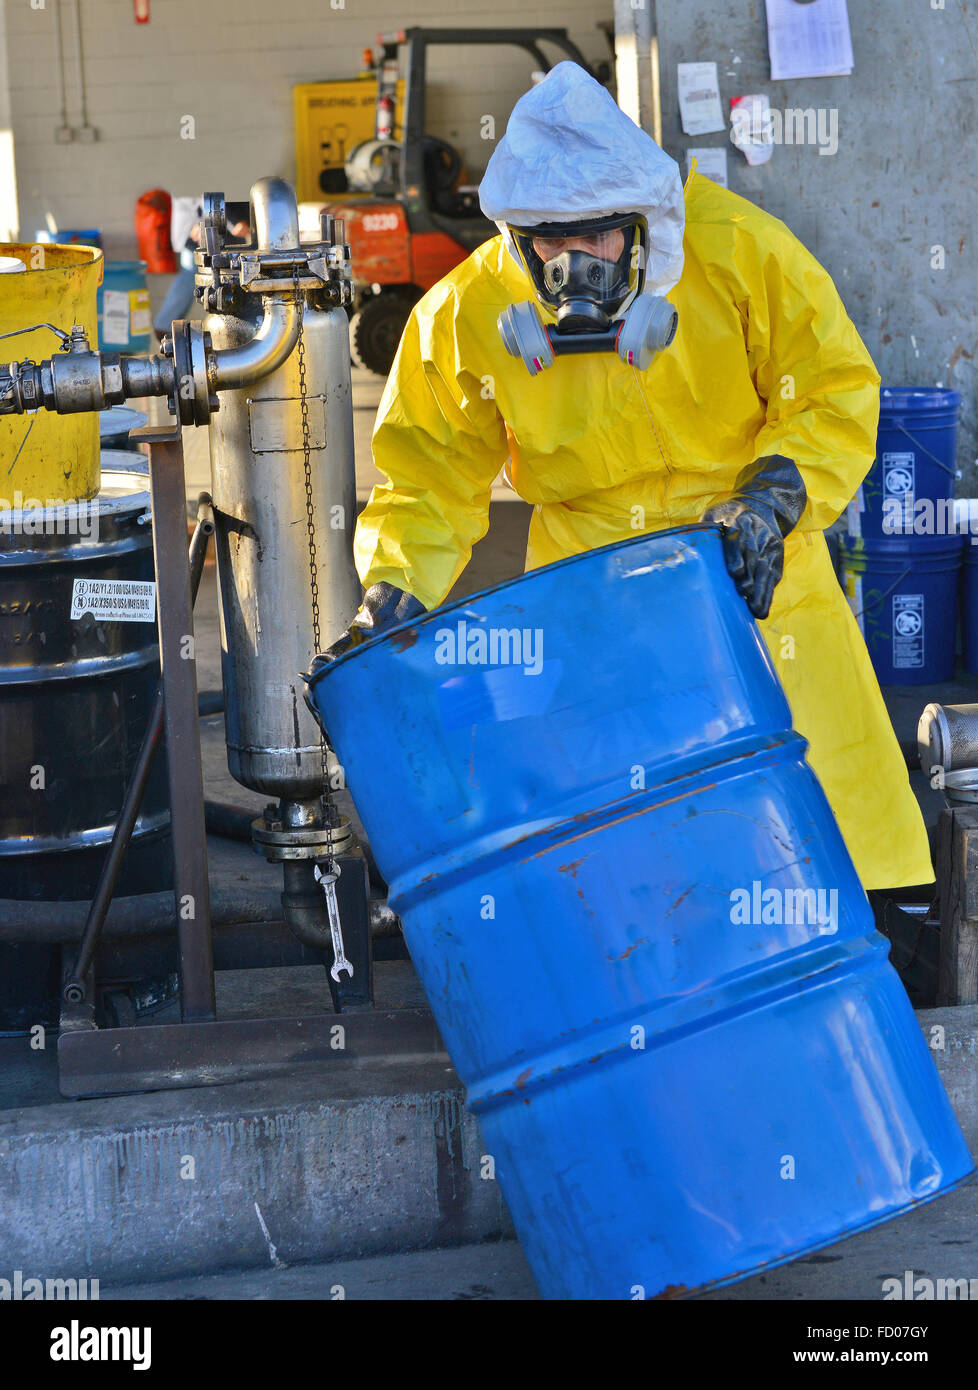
[153, 232]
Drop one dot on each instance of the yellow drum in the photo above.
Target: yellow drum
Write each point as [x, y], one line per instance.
[46, 457]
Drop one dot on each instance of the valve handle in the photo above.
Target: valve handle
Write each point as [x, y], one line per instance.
[15, 333]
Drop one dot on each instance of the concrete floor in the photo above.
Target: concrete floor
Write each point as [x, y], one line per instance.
[937, 1241]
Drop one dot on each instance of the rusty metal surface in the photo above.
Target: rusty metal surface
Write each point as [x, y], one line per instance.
[116, 1061]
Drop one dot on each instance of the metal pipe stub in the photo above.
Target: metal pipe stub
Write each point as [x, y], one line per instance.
[280, 841]
[947, 736]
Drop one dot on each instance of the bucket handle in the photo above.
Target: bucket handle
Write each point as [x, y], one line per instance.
[924, 450]
[886, 594]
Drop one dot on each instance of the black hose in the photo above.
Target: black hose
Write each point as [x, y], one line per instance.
[230, 822]
[210, 702]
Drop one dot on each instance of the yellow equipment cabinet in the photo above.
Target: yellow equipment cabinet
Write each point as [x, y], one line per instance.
[331, 119]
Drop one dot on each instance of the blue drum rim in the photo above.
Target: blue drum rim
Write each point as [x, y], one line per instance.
[902, 546]
[950, 1186]
[391, 634]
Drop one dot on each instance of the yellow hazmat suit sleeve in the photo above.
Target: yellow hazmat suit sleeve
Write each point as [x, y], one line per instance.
[440, 441]
[810, 366]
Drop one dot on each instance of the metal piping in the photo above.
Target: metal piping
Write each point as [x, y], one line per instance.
[82, 92]
[277, 335]
[62, 81]
[274, 215]
[84, 380]
[274, 227]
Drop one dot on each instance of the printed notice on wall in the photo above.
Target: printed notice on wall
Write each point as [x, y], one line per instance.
[809, 40]
[115, 600]
[699, 98]
[711, 162]
[115, 317]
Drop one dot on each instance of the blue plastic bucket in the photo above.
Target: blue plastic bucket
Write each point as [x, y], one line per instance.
[969, 606]
[124, 317]
[914, 470]
[71, 236]
[583, 789]
[904, 595]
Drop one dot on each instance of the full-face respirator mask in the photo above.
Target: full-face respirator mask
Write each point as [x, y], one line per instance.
[597, 298]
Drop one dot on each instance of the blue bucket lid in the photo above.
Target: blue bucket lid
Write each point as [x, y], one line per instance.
[900, 400]
[120, 419]
[932, 546]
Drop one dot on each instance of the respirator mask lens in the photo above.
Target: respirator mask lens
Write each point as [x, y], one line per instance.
[584, 272]
[591, 277]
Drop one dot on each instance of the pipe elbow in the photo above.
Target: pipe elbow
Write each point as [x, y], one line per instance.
[274, 341]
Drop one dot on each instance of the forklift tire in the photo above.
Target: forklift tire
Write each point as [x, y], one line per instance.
[376, 328]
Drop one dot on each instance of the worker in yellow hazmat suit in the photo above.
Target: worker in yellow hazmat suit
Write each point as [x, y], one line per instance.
[760, 415]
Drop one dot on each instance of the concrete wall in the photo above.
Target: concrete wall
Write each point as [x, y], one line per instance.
[904, 179]
[231, 66]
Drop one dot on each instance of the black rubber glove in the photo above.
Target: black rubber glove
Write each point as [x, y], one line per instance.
[383, 607]
[767, 504]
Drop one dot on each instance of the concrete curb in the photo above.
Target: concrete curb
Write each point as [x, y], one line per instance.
[952, 1036]
[318, 1167]
[243, 1176]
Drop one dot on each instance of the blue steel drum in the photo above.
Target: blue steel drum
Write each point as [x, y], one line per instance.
[637, 924]
[124, 315]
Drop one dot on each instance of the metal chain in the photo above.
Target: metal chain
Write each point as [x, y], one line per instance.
[310, 519]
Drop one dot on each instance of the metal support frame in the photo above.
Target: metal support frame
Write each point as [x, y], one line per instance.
[75, 990]
[94, 1060]
[201, 1050]
[165, 1056]
[174, 608]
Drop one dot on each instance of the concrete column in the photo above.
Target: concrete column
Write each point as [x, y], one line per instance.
[637, 64]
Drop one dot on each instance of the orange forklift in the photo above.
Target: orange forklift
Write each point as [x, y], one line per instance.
[408, 222]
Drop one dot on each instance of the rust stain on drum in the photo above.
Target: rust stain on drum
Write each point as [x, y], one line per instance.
[401, 641]
[634, 947]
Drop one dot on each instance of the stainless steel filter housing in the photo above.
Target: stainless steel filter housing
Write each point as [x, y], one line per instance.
[264, 540]
[275, 523]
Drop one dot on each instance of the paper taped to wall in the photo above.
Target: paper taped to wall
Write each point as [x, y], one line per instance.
[751, 128]
[699, 98]
[809, 40]
[711, 162]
